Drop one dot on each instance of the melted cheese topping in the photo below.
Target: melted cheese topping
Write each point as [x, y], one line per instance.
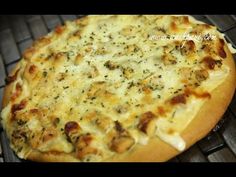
[108, 68]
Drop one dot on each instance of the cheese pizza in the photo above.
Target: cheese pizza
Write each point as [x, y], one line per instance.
[118, 88]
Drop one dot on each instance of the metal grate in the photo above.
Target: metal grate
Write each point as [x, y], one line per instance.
[18, 32]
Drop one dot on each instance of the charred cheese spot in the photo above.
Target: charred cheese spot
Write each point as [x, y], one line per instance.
[18, 91]
[202, 95]
[173, 26]
[209, 62]
[11, 79]
[34, 111]
[32, 69]
[72, 130]
[60, 29]
[17, 107]
[119, 127]
[198, 94]
[221, 51]
[185, 20]
[122, 140]
[71, 126]
[31, 73]
[181, 98]
[147, 123]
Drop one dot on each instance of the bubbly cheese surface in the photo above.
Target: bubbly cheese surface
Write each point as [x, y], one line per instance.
[121, 81]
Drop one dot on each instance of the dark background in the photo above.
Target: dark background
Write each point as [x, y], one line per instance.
[17, 32]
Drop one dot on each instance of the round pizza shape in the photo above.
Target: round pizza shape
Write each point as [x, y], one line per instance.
[118, 88]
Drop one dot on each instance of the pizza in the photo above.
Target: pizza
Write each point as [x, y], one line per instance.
[118, 88]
